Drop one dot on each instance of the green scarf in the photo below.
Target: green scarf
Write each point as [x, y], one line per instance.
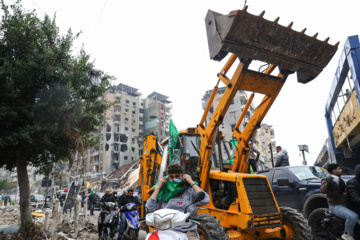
[171, 189]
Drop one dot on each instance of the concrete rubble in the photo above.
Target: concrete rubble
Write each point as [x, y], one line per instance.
[126, 177]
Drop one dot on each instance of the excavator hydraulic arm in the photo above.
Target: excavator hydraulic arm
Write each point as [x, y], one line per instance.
[248, 37]
[149, 167]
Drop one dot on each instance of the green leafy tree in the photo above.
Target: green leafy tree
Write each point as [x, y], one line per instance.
[49, 106]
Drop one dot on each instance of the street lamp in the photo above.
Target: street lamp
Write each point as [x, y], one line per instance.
[303, 148]
[95, 77]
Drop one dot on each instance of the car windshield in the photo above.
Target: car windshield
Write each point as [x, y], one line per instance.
[308, 172]
[100, 194]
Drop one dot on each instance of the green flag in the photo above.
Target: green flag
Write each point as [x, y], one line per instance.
[233, 143]
[173, 138]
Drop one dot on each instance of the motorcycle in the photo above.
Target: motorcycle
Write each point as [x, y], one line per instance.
[133, 224]
[108, 221]
[325, 225]
[165, 220]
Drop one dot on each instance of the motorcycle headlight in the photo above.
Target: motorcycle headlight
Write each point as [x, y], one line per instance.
[129, 207]
[163, 223]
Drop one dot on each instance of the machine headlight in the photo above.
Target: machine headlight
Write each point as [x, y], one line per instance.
[129, 207]
[163, 223]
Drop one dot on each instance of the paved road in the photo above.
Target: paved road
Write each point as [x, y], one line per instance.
[93, 219]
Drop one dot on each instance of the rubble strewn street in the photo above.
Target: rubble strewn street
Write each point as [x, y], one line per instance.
[11, 216]
[119, 179]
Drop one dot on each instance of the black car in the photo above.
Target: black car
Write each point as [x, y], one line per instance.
[98, 196]
[298, 187]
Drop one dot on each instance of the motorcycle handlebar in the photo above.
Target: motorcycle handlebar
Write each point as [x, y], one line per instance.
[194, 219]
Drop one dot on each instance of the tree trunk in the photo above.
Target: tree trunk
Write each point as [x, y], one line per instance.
[24, 186]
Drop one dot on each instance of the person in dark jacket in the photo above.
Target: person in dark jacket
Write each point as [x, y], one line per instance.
[108, 197]
[353, 191]
[282, 158]
[334, 188]
[92, 201]
[125, 193]
[129, 198]
[63, 197]
[83, 197]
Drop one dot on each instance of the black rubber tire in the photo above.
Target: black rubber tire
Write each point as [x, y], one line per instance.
[211, 229]
[133, 234]
[315, 217]
[298, 223]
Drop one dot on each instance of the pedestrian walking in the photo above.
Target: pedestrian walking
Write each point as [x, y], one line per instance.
[92, 202]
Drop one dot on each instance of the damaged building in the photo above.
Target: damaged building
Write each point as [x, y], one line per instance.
[128, 120]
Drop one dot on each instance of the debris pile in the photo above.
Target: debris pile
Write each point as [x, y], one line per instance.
[126, 177]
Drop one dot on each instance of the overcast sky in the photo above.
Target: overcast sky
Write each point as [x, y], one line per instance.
[162, 46]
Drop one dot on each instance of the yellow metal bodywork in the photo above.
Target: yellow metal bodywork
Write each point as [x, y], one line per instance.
[240, 218]
[149, 165]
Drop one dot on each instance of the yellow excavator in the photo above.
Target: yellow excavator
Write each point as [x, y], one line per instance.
[243, 206]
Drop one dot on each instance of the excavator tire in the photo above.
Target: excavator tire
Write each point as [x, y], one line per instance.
[210, 228]
[297, 222]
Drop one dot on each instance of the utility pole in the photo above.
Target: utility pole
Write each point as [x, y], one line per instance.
[304, 148]
[271, 153]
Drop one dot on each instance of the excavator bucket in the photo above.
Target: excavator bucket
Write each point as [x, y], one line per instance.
[256, 38]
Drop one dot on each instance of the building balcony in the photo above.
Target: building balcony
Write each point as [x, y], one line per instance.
[115, 151]
[117, 113]
[117, 122]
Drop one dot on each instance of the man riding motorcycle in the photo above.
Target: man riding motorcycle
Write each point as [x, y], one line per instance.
[334, 188]
[353, 191]
[125, 199]
[176, 192]
[108, 197]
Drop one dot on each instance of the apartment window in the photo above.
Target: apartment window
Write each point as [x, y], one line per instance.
[133, 149]
[126, 110]
[125, 157]
[141, 110]
[134, 104]
[133, 122]
[142, 104]
[133, 130]
[127, 101]
[133, 113]
[232, 126]
[141, 119]
[126, 120]
[162, 107]
[272, 133]
[133, 141]
[126, 129]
